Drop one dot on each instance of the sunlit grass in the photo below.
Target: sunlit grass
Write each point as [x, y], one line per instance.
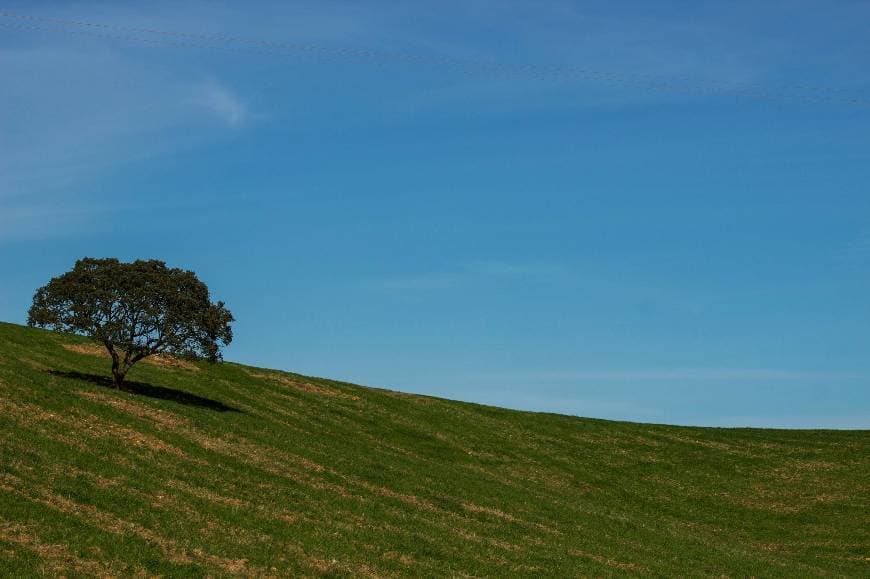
[226, 469]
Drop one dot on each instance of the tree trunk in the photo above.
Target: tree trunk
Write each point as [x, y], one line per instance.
[117, 373]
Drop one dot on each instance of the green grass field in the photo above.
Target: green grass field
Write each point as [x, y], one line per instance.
[232, 470]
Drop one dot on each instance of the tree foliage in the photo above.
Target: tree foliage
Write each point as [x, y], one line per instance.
[135, 310]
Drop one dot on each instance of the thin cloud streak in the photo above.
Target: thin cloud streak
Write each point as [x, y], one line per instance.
[474, 271]
[657, 375]
[39, 222]
[57, 146]
[846, 422]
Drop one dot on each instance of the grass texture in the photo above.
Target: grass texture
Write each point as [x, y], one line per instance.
[226, 470]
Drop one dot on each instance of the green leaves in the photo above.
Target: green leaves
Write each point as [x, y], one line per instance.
[134, 309]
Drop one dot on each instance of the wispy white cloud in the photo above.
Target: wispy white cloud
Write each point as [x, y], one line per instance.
[223, 103]
[56, 145]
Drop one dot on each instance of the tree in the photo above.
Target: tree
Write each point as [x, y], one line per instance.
[135, 310]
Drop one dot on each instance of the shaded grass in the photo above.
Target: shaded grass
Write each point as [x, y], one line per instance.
[149, 390]
[232, 470]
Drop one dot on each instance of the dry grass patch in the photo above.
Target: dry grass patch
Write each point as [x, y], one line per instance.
[35, 364]
[113, 524]
[167, 361]
[208, 495]
[402, 558]
[803, 469]
[8, 481]
[161, 360]
[607, 561]
[88, 349]
[58, 557]
[734, 449]
[161, 417]
[98, 480]
[489, 511]
[87, 424]
[99, 428]
[25, 413]
[412, 500]
[300, 385]
[266, 459]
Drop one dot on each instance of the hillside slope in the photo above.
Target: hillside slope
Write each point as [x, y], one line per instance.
[228, 469]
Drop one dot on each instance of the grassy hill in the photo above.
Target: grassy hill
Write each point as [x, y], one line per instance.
[228, 469]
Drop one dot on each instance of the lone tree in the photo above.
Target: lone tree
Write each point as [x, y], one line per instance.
[135, 310]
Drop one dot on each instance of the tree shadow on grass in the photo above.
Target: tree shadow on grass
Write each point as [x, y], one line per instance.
[145, 389]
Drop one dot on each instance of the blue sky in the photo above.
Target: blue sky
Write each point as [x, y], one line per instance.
[544, 242]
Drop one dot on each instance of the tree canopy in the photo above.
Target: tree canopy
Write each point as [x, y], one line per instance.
[135, 310]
